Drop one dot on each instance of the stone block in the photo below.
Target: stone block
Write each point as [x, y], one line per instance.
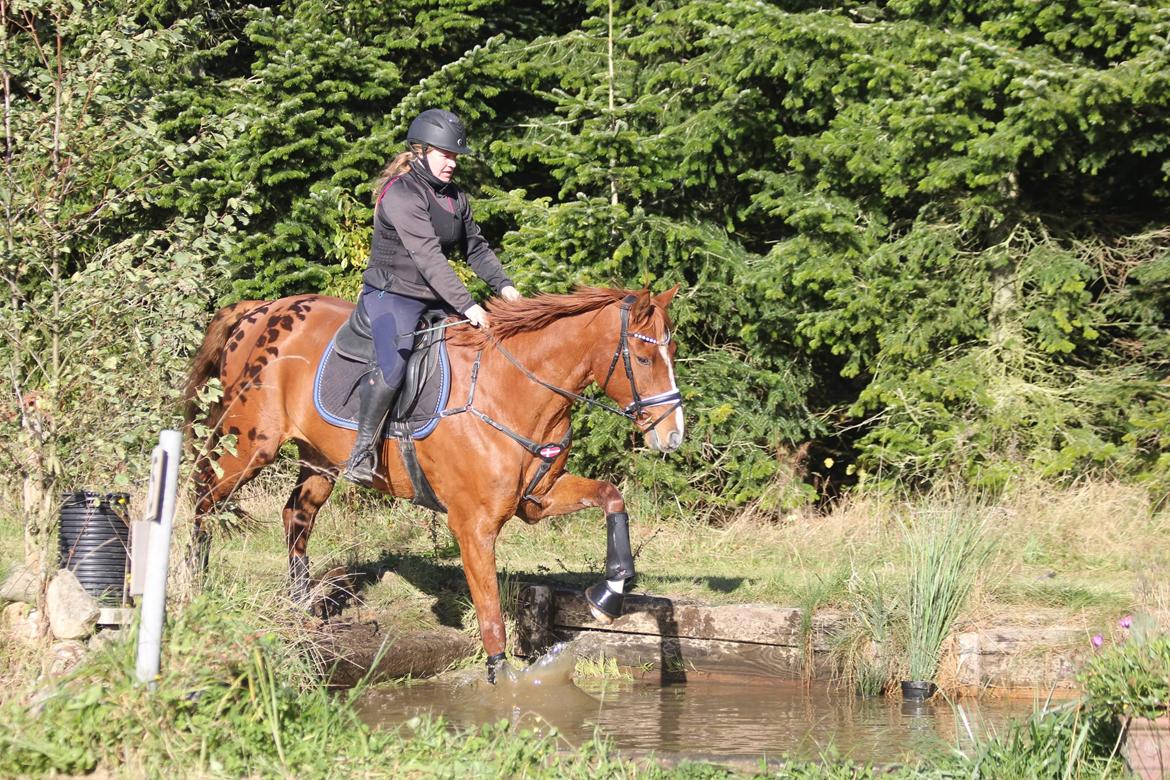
[73, 613]
[21, 585]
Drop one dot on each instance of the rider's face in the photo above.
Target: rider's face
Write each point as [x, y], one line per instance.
[442, 163]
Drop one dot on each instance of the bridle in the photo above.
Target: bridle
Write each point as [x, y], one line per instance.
[632, 410]
[639, 404]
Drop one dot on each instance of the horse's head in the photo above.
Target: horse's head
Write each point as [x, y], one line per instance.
[639, 373]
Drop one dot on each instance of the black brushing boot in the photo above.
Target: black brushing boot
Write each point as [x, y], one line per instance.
[376, 398]
[604, 601]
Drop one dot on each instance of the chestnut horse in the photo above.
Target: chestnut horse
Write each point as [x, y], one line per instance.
[493, 458]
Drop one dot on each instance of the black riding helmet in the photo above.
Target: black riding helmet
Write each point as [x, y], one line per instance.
[439, 128]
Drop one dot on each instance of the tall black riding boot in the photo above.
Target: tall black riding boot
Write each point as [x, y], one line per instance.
[376, 398]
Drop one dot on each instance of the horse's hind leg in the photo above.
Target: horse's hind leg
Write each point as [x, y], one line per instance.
[314, 485]
[570, 493]
[216, 484]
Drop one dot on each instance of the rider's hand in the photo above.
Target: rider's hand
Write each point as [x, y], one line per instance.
[477, 316]
[510, 293]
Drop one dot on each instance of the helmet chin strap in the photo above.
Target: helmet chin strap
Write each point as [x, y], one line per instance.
[421, 157]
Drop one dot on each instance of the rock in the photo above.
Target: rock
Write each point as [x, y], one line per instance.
[63, 657]
[13, 615]
[107, 637]
[21, 585]
[73, 613]
[22, 623]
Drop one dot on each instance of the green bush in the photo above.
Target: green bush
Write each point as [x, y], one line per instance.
[1130, 679]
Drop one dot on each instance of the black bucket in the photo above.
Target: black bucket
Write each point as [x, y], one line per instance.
[94, 542]
[918, 690]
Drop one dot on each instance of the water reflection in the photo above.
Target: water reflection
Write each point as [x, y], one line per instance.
[734, 721]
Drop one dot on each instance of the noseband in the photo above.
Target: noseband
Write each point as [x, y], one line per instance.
[634, 409]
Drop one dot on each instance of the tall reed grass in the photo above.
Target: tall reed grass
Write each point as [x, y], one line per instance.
[947, 546]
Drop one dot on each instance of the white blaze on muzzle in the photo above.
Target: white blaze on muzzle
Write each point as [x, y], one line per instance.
[672, 397]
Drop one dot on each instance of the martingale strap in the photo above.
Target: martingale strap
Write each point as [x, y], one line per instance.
[547, 452]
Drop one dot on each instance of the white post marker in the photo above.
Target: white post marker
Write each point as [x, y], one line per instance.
[154, 586]
[140, 528]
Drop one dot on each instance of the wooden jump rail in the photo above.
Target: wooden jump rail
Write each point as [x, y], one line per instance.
[680, 641]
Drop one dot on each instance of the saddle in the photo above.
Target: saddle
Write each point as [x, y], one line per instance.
[347, 361]
[354, 341]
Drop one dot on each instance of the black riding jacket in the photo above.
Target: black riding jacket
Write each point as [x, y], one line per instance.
[418, 222]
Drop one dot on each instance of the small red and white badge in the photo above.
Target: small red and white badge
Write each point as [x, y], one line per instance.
[551, 451]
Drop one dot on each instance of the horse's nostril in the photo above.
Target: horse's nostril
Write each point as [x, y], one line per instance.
[674, 439]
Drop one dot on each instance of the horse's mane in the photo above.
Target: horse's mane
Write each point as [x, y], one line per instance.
[509, 318]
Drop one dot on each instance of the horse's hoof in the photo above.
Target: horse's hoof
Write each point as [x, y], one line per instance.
[494, 662]
[604, 603]
[600, 616]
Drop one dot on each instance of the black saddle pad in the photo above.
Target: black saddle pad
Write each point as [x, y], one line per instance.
[423, 395]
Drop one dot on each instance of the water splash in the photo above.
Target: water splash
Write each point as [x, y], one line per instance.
[554, 668]
[543, 694]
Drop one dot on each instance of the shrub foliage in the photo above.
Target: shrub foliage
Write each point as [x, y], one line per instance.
[928, 238]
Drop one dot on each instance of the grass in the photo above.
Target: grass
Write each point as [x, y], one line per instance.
[1080, 557]
[1068, 742]
[600, 668]
[864, 649]
[237, 699]
[242, 694]
[1065, 596]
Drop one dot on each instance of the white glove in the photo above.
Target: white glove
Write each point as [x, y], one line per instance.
[510, 293]
[477, 316]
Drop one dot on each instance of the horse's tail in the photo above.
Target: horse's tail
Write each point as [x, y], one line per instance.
[206, 364]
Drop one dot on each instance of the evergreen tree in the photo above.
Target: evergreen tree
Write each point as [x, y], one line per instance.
[907, 206]
[929, 238]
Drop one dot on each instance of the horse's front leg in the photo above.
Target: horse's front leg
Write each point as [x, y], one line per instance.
[570, 493]
[476, 535]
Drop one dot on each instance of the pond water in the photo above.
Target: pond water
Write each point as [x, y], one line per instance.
[699, 720]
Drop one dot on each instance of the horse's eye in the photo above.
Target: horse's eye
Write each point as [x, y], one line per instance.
[642, 360]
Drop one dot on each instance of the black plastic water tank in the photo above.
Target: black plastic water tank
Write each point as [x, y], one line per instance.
[94, 542]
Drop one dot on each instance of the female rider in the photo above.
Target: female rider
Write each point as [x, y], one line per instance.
[420, 217]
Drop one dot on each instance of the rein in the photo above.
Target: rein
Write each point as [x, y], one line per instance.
[550, 452]
[635, 407]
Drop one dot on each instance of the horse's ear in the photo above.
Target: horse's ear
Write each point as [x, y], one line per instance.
[663, 299]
